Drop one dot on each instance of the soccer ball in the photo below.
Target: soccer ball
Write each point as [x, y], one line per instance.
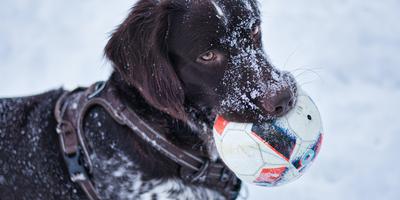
[274, 153]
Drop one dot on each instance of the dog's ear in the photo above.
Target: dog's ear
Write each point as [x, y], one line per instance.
[139, 52]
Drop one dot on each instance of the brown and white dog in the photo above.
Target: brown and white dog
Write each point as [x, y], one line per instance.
[178, 64]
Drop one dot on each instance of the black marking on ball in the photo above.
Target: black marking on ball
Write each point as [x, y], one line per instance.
[309, 117]
[296, 163]
[278, 138]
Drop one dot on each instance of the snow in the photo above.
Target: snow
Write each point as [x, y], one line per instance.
[130, 184]
[344, 53]
[219, 10]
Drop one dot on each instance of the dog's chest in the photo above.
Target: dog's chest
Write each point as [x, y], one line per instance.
[119, 178]
[117, 174]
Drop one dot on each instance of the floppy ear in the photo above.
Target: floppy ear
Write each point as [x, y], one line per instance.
[139, 52]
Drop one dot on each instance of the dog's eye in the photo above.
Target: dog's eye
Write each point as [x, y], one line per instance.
[208, 56]
[256, 30]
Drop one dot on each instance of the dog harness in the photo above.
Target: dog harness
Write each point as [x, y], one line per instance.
[70, 112]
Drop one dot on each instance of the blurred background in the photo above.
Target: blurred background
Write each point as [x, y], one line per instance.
[345, 53]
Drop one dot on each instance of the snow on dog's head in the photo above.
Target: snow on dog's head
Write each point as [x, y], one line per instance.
[206, 53]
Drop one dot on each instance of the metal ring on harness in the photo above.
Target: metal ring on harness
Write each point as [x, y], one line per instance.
[225, 176]
[98, 88]
[76, 170]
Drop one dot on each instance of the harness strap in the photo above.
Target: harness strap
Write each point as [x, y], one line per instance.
[72, 145]
[70, 112]
[89, 189]
[124, 116]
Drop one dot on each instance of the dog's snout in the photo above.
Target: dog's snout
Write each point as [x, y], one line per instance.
[278, 103]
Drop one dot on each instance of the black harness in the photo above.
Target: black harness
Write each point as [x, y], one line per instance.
[70, 111]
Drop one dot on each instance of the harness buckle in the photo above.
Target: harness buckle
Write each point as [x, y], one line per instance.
[198, 176]
[76, 169]
[67, 137]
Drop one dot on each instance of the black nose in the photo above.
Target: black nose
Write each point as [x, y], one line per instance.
[278, 103]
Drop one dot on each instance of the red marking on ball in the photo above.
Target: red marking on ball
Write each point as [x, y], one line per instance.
[319, 143]
[271, 175]
[220, 125]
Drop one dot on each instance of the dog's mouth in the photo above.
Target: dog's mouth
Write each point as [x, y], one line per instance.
[260, 105]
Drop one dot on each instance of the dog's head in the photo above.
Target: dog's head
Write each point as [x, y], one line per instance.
[206, 53]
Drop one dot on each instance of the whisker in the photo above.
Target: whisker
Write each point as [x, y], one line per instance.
[308, 71]
[306, 83]
[291, 55]
[306, 68]
[304, 71]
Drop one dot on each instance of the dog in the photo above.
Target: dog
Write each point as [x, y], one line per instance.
[177, 64]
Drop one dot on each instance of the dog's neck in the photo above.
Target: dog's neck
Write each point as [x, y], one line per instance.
[195, 133]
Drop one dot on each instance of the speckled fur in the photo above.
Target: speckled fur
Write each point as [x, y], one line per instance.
[177, 95]
[31, 165]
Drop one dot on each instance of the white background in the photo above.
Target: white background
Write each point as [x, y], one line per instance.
[345, 53]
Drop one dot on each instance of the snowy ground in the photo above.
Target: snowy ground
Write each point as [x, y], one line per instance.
[345, 53]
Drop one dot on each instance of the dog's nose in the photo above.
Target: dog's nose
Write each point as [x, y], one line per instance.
[278, 103]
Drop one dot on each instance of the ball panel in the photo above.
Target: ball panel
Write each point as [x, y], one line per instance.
[290, 175]
[271, 158]
[241, 152]
[304, 120]
[300, 149]
[246, 178]
[267, 146]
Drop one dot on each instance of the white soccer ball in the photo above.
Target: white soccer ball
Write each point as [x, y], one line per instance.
[275, 153]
